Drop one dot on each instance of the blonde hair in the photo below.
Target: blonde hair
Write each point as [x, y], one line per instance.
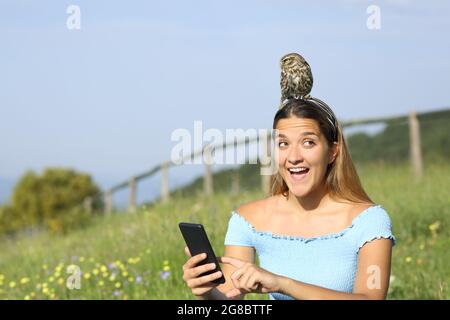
[341, 179]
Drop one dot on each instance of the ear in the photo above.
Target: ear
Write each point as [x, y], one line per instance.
[334, 150]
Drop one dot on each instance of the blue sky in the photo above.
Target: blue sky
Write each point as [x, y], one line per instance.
[105, 99]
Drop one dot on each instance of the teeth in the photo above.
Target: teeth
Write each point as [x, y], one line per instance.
[297, 169]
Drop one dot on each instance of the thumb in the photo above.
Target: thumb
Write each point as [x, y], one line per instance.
[187, 252]
[233, 261]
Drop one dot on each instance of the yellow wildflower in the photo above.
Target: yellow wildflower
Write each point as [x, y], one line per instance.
[12, 284]
[81, 259]
[51, 279]
[59, 267]
[24, 280]
[87, 275]
[118, 284]
[134, 260]
[130, 279]
[60, 281]
[27, 297]
[103, 269]
[124, 274]
[408, 259]
[95, 272]
[434, 226]
[101, 283]
[166, 268]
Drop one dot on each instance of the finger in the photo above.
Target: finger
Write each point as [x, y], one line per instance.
[195, 272]
[235, 276]
[233, 293]
[192, 262]
[202, 290]
[252, 282]
[201, 281]
[188, 253]
[233, 261]
[243, 281]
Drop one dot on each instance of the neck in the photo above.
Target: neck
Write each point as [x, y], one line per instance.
[313, 201]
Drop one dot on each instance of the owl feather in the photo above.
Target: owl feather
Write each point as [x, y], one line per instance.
[296, 78]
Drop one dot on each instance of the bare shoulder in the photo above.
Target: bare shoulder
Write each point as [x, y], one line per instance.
[355, 209]
[256, 211]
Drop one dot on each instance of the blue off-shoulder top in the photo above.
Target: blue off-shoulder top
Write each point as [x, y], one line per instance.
[329, 261]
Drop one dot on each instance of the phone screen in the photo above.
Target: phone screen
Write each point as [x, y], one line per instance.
[197, 241]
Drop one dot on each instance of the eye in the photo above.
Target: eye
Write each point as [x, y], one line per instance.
[308, 143]
[282, 144]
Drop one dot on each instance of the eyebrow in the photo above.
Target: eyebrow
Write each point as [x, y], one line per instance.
[308, 133]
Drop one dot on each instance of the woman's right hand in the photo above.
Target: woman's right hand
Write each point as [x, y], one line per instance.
[192, 274]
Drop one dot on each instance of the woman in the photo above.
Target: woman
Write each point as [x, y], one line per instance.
[319, 236]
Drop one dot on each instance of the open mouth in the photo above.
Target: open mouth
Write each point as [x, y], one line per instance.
[298, 173]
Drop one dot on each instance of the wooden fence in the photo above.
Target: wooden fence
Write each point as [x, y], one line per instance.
[208, 185]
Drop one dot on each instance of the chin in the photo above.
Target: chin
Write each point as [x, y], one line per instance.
[299, 192]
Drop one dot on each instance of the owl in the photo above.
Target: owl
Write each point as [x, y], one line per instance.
[296, 77]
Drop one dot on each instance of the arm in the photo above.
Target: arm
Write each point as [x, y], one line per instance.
[371, 282]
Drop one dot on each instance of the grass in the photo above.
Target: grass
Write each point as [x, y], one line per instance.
[139, 256]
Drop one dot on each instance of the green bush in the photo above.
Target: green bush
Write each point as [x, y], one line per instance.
[53, 200]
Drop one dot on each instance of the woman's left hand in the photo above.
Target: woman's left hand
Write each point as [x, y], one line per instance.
[249, 278]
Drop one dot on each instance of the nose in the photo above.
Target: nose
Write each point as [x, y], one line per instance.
[294, 156]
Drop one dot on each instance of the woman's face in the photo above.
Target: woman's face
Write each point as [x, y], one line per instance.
[304, 155]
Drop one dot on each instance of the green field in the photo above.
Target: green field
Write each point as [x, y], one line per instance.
[139, 256]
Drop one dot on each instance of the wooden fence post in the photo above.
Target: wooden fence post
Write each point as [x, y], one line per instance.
[208, 178]
[108, 202]
[415, 148]
[165, 195]
[132, 195]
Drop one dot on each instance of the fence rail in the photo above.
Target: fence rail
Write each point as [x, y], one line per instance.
[206, 151]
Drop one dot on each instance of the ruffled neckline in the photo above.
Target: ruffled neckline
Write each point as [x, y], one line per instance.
[308, 239]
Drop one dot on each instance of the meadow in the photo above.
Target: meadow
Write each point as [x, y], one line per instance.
[140, 255]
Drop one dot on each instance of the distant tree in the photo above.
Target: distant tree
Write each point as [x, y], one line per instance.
[52, 199]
